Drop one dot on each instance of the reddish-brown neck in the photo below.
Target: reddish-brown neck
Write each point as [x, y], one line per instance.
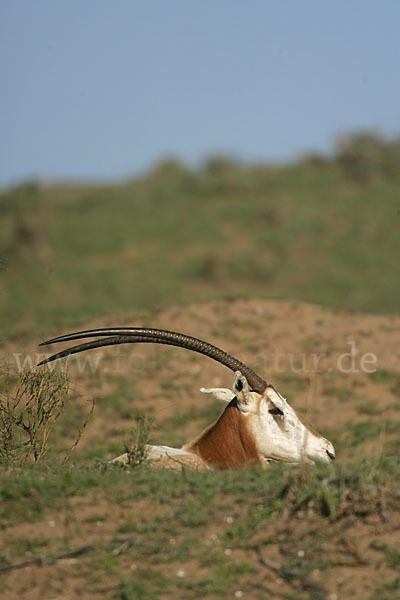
[228, 443]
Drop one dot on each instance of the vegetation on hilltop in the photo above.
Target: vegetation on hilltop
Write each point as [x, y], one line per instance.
[323, 229]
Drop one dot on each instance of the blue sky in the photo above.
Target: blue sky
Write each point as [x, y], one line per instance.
[100, 89]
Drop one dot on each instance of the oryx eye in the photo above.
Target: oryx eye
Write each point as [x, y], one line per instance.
[275, 411]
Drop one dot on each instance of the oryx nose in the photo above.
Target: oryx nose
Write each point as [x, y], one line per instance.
[330, 454]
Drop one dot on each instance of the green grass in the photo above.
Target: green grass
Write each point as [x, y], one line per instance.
[388, 591]
[343, 394]
[368, 430]
[34, 490]
[384, 376]
[205, 519]
[307, 231]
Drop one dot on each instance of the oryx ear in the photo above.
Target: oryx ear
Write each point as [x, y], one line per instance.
[220, 393]
[242, 391]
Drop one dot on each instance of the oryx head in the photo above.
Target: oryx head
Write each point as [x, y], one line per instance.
[278, 432]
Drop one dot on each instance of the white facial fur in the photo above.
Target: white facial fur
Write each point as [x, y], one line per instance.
[281, 436]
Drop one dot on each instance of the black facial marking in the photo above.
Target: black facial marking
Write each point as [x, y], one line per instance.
[275, 411]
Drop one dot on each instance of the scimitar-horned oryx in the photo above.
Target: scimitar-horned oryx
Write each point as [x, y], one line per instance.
[257, 425]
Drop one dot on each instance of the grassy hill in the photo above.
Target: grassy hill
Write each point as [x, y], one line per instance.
[324, 230]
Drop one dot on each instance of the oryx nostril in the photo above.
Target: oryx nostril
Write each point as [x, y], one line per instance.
[330, 454]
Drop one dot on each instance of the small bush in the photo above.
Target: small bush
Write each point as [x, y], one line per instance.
[28, 413]
[136, 442]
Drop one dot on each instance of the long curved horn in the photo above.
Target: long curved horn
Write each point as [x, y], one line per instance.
[128, 335]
